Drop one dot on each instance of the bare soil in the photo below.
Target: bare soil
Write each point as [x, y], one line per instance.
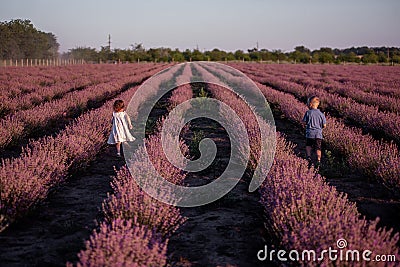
[228, 232]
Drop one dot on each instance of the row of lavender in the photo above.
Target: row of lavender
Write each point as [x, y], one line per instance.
[342, 86]
[137, 227]
[27, 180]
[368, 117]
[384, 103]
[22, 123]
[379, 80]
[304, 212]
[385, 81]
[17, 82]
[22, 89]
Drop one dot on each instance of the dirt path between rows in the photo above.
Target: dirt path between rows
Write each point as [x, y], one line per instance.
[228, 232]
[55, 232]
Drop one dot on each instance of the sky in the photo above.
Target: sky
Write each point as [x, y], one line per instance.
[209, 24]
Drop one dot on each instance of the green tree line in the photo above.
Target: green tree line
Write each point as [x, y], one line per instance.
[301, 54]
[19, 39]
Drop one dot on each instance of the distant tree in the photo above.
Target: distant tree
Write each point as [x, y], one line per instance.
[197, 55]
[300, 54]
[51, 45]
[396, 59]
[323, 55]
[239, 55]
[265, 55]
[215, 55]
[327, 50]
[302, 49]
[255, 55]
[382, 57]
[230, 56]
[138, 52]
[278, 56]
[177, 56]
[364, 50]
[160, 54]
[85, 53]
[187, 54]
[153, 54]
[352, 57]
[19, 39]
[370, 57]
[123, 55]
[105, 55]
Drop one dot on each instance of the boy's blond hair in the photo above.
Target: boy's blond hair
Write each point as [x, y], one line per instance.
[313, 102]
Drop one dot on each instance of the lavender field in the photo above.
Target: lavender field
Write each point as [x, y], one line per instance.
[67, 200]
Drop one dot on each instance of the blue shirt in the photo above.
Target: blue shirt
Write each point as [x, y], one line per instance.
[315, 121]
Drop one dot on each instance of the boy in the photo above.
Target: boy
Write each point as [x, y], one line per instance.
[315, 121]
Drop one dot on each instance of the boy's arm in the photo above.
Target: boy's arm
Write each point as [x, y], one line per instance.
[304, 120]
[323, 121]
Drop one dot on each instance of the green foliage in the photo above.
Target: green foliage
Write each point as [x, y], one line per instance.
[194, 143]
[278, 55]
[371, 57]
[323, 55]
[396, 59]
[86, 53]
[300, 55]
[19, 39]
[202, 93]
[240, 55]
[333, 165]
[177, 56]
[382, 57]
[197, 55]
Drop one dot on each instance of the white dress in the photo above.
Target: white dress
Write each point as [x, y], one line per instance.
[120, 128]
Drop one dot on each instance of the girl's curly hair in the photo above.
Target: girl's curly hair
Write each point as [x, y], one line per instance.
[118, 105]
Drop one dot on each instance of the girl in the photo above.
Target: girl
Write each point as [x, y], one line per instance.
[121, 124]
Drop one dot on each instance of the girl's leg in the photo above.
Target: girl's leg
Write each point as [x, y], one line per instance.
[118, 145]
